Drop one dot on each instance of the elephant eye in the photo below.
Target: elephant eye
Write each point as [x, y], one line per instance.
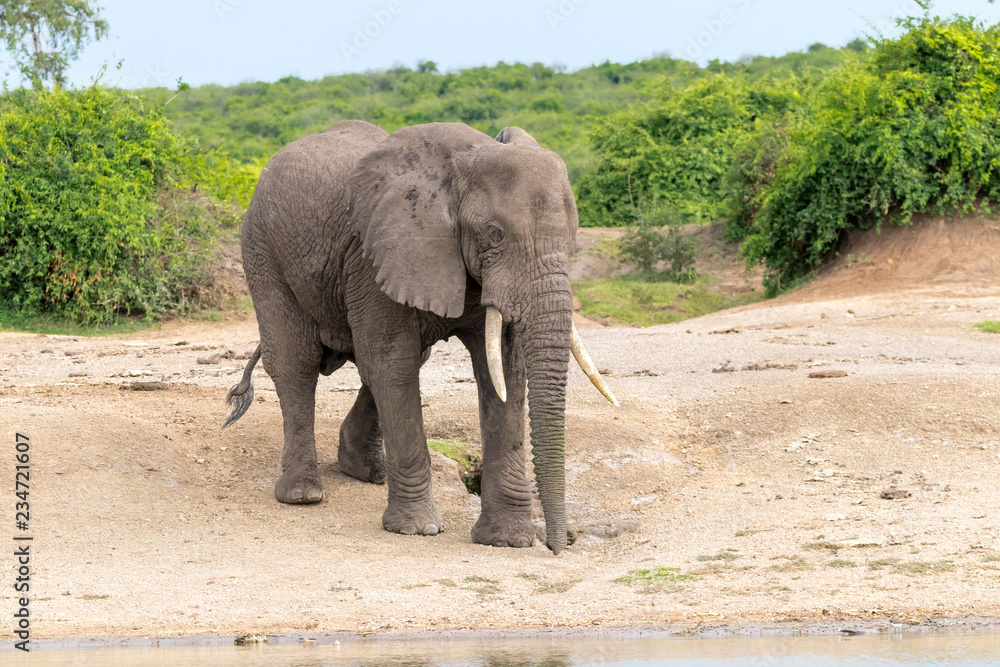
[494, 231]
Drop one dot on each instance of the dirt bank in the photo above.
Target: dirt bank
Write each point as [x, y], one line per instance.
[766, 489]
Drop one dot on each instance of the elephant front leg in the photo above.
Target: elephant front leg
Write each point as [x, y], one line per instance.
[393, 375]
[505, 518]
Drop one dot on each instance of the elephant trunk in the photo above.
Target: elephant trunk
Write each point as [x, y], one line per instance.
[546, 343]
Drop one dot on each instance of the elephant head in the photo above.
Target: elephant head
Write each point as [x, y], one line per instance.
[437, 205]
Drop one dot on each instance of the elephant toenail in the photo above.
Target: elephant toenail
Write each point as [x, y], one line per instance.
[408, 529]
[521, 542]
[499, 542]
[315, 495]
[430, 529]
[296, 494]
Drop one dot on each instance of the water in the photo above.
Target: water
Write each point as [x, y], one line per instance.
[871, 651]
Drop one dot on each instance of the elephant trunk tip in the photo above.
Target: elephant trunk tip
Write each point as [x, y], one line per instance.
[556, 543]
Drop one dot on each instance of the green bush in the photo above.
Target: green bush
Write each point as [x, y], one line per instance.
[98, 214]
[646, 245]
[678, 148]
[914, 128]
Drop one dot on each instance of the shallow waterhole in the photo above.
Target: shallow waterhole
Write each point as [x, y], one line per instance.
[888, 650]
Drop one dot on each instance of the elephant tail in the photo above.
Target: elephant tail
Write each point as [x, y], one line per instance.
[240, 397]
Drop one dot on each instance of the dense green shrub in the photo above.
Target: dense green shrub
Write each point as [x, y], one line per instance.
[912, 129]
[679, 148]
[98, 210]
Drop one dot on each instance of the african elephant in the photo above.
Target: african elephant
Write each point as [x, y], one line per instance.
[364, 247]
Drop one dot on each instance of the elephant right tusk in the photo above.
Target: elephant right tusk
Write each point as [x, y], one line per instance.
[587, 364]
[494, 358]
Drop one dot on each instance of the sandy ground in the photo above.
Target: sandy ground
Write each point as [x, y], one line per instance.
[765, 485]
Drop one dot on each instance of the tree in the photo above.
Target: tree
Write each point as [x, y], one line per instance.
[427, 67]
[44, 36]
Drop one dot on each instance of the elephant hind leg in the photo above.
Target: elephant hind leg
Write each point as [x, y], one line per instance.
[360, 454]
[293, 355]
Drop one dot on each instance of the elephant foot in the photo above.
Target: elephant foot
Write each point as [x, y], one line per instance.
[299, 488]
[504, 530]
[366, 465]
[413, 518]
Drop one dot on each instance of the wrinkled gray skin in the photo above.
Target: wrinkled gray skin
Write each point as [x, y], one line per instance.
[369, 248]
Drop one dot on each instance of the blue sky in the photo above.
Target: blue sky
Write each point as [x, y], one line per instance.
[228, 41]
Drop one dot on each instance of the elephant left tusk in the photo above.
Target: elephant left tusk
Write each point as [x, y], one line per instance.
[587, 364]
[494, 358]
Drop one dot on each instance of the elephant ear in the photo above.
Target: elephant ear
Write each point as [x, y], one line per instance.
[515, 135]
[403, 211]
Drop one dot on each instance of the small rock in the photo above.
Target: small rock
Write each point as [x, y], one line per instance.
[207, 361]
[48, 351]
[144, 386]
[895, 494]
[724, 368]
[180, 342]
[823, 375]
[78, 374]
[836, 517]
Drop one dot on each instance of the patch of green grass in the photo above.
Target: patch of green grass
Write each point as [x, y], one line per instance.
[924, 567]
[558, 587]
[485, 589]
[791, 564]
[210, 315]
[656, 579]
[989, 326]
[455, 450]
[531, 577]
[60, 326]
[841, 562]
[991, 559]
[469, 461]
[823, 546]
[94, 597]
[882, 563]
[725, 555]
[629, 300]
[447, 583]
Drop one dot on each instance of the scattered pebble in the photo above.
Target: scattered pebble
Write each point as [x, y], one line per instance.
[895, 494]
